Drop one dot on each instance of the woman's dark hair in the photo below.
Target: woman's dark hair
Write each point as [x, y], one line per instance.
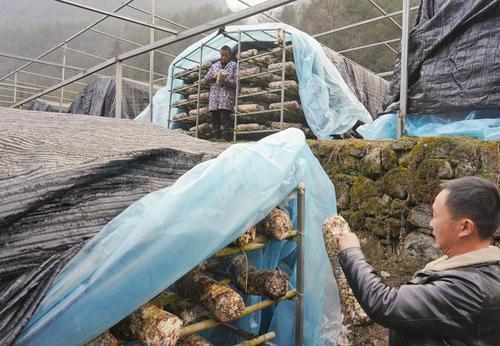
[476, 199]
[227, 49]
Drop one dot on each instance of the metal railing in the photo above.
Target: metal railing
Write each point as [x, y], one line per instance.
[230, 18]
[177, 36]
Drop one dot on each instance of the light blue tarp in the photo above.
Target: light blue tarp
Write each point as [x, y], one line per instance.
[330, 107]
[483, 124]
[161, 237]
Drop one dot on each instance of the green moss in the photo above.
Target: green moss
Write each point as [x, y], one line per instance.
[398, 208]
[355, 147]
[489, 166]
[424, 183]
[433, 148]
[417, 154]
[367, 198]
[338, 157]
[404, 144]
[342, 183]
[389, 158]
[371, 164]
[380, 230]
[405, 159]
[426, 164]
[375, 206]
[347, 164]
[362, 189]
[321, 149]
[350, 179]
[465, 151]
[356, 220]
[395, 182]
[490, 158]
[370, 224]
[410, 165]
[387, 227]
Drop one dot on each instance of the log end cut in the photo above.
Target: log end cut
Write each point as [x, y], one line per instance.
[226, 305]
[105, 339]
[155, 326]
[269, 283]
[277, 224]
[276, 285]
[193, 340]
[223, 303]
[248, 237]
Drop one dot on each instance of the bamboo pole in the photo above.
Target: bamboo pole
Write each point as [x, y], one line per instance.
[264, 239]
[258, 340]
[207, 324]
[257, 244]
[235, 250]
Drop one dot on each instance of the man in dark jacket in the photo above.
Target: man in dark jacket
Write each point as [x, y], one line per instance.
[454, 300]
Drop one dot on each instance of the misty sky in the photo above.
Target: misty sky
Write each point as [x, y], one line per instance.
[44, 9]
[40, 9]
[235, 5]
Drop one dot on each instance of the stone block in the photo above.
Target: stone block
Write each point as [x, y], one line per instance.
[404, 144]
[421, 248]
[371, 164]
[389, 158]
[355, 148]
[386, 227]
[421, 215]
[424, 179]
[395, 182]
[398, 208]
[363, 191]
[465, 169]
[490, 157]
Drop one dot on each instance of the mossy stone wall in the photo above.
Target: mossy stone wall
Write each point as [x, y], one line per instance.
[386, 188]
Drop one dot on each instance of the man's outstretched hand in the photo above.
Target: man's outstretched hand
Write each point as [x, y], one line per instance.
[337, 229]
[346, 240]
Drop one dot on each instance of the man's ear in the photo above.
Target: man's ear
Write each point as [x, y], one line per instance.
[468, 228]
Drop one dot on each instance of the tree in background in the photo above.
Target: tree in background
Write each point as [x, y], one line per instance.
[317, 16]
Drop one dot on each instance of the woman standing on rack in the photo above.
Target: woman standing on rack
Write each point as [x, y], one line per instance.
[222, 76]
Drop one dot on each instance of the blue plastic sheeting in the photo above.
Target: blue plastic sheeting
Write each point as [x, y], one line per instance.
[329, 105]
[161, 237]
[483, 124]
[159, 107]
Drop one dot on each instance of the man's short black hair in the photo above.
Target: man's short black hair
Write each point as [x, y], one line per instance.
[476, 199]
[227, 49]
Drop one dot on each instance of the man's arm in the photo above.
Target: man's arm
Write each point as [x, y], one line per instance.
[443, 307]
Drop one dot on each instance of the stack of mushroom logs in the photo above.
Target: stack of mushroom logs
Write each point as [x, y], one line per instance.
[260, 85]
[208, 295]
